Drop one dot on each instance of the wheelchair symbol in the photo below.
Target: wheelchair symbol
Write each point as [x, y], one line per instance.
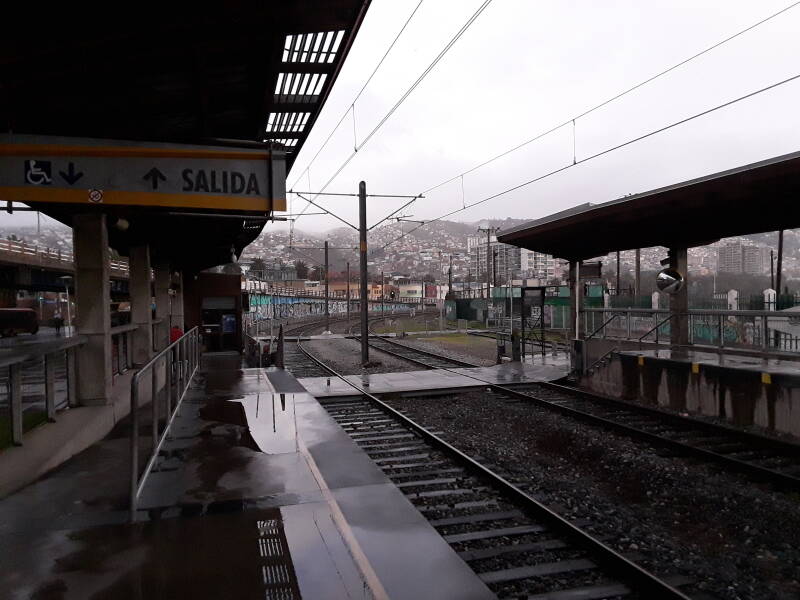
[38, 172]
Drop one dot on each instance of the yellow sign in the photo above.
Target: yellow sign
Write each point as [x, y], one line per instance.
[104, 172]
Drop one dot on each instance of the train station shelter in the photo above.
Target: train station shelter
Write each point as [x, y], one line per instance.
[753, 198]
[165, 135]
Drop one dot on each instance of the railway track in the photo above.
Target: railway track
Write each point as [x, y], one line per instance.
[516, 545]
[765, 459]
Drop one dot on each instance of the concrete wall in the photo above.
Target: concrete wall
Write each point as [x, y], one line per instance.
[735, 395]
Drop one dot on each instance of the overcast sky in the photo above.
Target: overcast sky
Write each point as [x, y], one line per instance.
[526, 65]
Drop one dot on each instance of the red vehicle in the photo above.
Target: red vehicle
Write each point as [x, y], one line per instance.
[18, 320]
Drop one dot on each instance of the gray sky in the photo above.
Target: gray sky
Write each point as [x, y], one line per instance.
[526, 65]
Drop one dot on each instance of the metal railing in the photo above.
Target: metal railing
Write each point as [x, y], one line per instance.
[36, 383]
[31, 254]
[178, 362]
[765, 331]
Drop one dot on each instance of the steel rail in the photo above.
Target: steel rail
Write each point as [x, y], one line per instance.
[628, 571]
[757, 442]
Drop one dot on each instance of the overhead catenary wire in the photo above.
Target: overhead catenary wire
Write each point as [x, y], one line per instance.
[598, 154]
[408, 92]
[335, 216]
[596, 107]
[358, 95]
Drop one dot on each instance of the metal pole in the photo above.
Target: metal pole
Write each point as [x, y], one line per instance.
[488, 268]
[69, 312]
[327, 308]
[779, 270]
[617, 288]
[134, 446]
[362, 251]
[383, 298]
[348, 291]
[450, 276]
[772, 269]
[778, 281]
[638, 278]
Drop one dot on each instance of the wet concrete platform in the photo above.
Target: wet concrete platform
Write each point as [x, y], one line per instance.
[752, 364]
[439, 380]
[742, 390]
[258, 493]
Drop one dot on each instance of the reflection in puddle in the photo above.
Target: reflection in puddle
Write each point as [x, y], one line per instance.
[272, 421]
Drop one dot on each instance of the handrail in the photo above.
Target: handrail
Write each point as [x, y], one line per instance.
[13, 359]
[649, 331]
[603, 326]
[591, 366]
[695, 312]
[187, 348]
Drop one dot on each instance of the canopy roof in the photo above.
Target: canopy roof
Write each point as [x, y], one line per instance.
[238, 73]
[759, 197]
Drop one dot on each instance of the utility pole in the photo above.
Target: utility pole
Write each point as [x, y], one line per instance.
[327, 308]
[383, 299]
[362, 251]
[617, 288]
[348, 291]
[772, 269]
[494, 267]
[488, 231]
[637, 285]
[450, 276]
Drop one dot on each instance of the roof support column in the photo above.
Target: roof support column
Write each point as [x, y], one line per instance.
[161, 286]
[141, 304]
[575, 306]
[679, 301]
[93, 304]
[176, 315]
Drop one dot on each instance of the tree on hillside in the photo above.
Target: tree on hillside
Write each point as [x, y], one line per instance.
[301, 268]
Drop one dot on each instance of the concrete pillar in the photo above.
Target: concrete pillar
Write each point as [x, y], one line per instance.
[163, 278]
[92, 300]
[176, 318]
[141, 304]
[679, 301]
[575, 303]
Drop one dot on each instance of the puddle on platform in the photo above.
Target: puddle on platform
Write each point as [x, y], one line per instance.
[233, 555]
[269, 418]
[272, 421]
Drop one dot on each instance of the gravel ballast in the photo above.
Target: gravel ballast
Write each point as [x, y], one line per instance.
[732, 537]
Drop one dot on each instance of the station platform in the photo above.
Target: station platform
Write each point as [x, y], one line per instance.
[439, 380]
[743, 390]
[736, 362]
[258, 493]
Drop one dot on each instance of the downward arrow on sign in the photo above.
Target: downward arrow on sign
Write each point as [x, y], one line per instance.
[71, 176]
[154, 175]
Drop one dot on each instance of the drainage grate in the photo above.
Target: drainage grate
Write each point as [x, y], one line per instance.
[277, 572]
